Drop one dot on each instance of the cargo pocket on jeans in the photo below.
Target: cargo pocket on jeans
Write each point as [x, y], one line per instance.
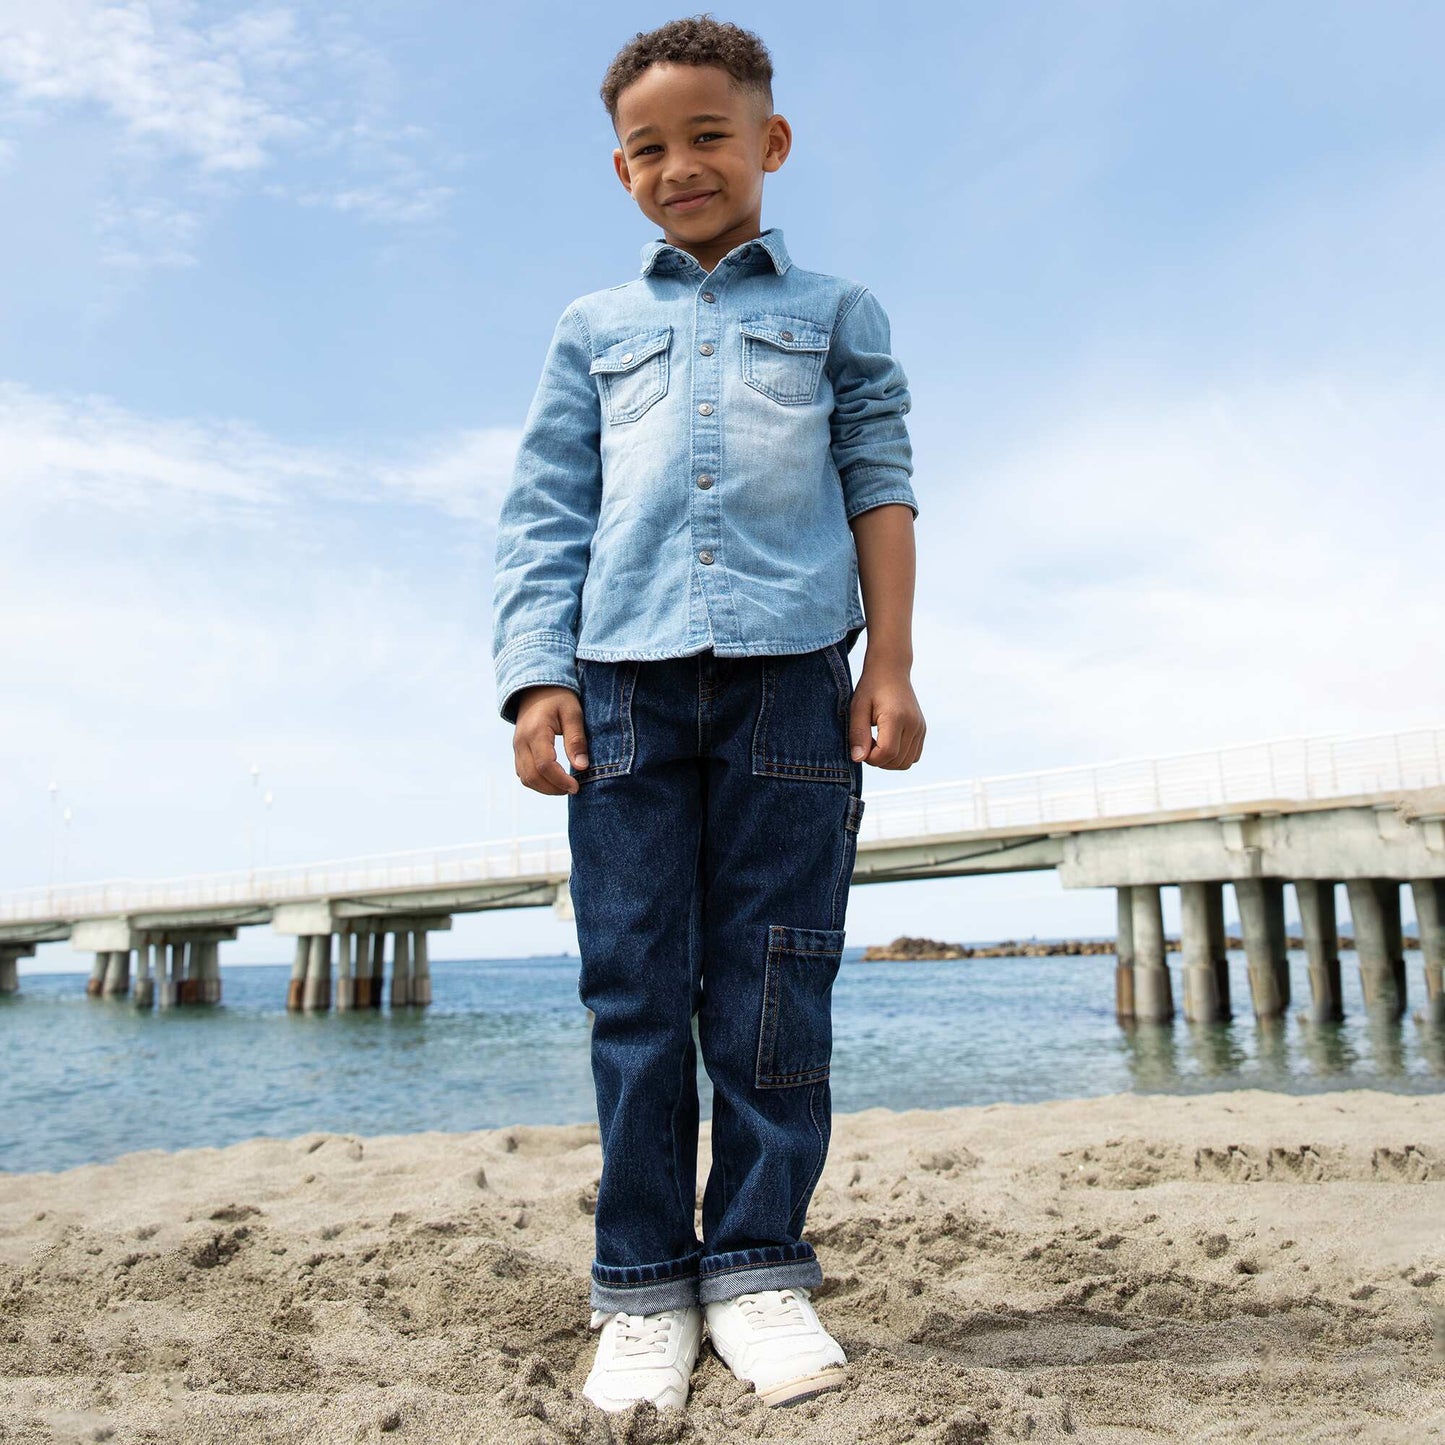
[606, 689]
[795, 1039]
[802, 726]
[852, 819]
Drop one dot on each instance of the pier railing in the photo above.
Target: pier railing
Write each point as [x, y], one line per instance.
[1293, 769]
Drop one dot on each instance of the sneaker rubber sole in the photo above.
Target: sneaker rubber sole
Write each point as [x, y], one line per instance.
[794, 1392]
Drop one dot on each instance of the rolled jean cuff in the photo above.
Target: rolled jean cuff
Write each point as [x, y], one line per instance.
[643, 1289]
[746, 1271]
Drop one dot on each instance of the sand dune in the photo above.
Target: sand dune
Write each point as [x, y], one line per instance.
[1243, 1266]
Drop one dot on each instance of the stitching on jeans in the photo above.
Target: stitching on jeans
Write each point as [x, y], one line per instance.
[802, 1205]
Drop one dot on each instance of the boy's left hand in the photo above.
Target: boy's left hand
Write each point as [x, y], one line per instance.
[884, 695]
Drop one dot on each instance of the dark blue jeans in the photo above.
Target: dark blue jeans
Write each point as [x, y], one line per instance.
[713, 836]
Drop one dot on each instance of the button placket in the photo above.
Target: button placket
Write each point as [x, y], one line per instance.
[706, 453]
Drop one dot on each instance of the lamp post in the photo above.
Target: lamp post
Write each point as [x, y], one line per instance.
[251, 819]
[54, 829]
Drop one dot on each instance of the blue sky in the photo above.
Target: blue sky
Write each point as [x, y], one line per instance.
[278, 280]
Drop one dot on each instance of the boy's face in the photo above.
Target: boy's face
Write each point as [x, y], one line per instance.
[686, 132]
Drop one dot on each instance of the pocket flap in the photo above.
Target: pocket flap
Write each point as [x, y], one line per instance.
[632, 352]
[789, 333]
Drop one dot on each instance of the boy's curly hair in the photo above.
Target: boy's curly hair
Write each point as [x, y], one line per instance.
[695, 40]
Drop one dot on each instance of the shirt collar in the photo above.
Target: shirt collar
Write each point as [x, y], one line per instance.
[663, 256]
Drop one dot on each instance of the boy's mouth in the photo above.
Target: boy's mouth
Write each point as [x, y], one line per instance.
[690, 202]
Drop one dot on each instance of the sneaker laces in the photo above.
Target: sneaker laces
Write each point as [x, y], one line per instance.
[642, 1334]
[771, 1308]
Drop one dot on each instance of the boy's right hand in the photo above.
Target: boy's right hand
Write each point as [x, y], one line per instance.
[543, 715]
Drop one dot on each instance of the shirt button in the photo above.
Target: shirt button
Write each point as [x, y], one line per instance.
[708, 296]
[706, 408]
[706, 348]
[704, 481]
[784, 335]
[705, 557]
[627, 358]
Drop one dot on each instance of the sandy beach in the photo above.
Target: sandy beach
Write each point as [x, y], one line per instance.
[1235, 1266]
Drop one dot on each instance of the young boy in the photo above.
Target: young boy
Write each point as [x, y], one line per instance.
[714, 460]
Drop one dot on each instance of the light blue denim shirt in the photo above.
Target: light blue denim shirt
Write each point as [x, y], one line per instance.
[696, 448]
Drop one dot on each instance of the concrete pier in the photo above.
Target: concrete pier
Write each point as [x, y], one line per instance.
[10, 954]
[297, 987]
[116, 983]
[1429, 896]
[369, 966]
[1153, 995]
[1261, 918]
[317, 993]
[346, 971]
[1379, 943]
[207, 971]
[420, 970]
[1124, 954]
[169, 984]
[1320, 926]
[1206, 967]
[95, 984]
[401, 969]
[144, 993]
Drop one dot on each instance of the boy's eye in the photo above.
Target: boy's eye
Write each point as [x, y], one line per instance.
[706, 135]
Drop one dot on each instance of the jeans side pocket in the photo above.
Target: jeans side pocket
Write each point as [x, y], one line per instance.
[795, 1037]
[606, 689]
[802, 722]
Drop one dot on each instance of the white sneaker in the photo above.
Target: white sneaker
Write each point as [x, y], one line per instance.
[774, 1340]
[644, 1357]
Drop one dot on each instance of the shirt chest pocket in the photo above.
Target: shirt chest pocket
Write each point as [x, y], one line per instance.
[783, 357]
[632, 374]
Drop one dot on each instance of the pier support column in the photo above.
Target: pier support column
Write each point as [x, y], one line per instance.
[296, 988]
[345, 972]
[117, 974]
[365, 986]
[1261, 916]
[1205, 966]
[208, 973]
[378, 969]
[1322, 943]
[9, 971]
[95, 984]
[1429, 895]
[317, 993]
[144, 993]
[1124, 954]
[170, 971]
[1153, 996]
[1379, 945]
[401, 969]
[420, 969]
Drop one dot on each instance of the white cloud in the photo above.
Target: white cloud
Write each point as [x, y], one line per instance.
[1154, 575]
[171, 83]
[64, 452]
[198, 108]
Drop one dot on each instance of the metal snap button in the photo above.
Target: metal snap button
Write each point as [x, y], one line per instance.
[627, 358]
[704, 481]
[786, 335]
[706, 348]
[708, 296]
[706, 408]
[705, 558]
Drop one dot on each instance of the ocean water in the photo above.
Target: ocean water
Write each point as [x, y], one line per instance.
[505, 1042]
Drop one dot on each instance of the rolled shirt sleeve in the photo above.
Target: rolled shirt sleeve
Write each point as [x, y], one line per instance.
[870, 444]
[546, 523]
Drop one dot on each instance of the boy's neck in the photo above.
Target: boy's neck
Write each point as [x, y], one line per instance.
[709, 252]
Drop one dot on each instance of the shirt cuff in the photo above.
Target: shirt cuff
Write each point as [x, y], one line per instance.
[535, 659]
[867, 487]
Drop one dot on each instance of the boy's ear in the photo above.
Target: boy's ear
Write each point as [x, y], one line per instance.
[619, 162]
